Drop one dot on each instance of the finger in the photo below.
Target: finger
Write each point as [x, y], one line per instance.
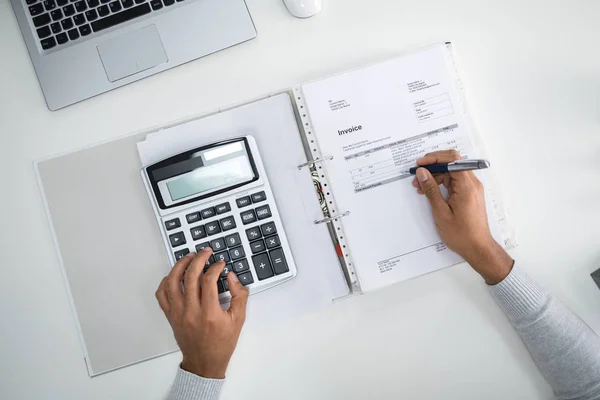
[191, 280]
[439, 178]
[239, 298]
[431, 190]
[210, 292]
[173, 283]
[439, 157]
[161, 296]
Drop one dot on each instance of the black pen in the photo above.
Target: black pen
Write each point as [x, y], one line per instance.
[460, 165]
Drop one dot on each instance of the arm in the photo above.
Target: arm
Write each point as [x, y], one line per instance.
[565, 349]
[206, 334]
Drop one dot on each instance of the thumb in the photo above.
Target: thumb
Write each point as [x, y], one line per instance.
[239, 297]
[431, 189]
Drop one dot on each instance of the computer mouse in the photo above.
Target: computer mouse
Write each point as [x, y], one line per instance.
[303, 8]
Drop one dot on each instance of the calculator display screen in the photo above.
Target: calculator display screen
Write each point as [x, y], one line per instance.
[202, 172]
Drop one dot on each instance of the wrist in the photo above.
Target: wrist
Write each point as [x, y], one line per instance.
[209, 372]
[490, 261]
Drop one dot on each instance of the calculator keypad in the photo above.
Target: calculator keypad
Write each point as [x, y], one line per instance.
[263, 242]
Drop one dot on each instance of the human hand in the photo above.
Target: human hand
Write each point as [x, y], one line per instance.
[206, 334]
[461, 220]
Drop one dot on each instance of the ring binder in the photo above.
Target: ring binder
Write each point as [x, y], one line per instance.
[316, 160]
[329, 219]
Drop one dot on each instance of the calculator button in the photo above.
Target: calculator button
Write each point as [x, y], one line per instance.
[272, 242]
[218, 244]
[240, 266]
[246, 278]
[263, 212]
[209, 262]
[198, 232]
[268, 228]
[177, 239]
[253, 233]
[172, 224]
[233, 240]
[226, 270]
[243, 201]
[212, 228]
[257, 246]
[181, 253]
[225, 284]
[193, 217]
[262, 265]
[258, 197]
[208, 212]
[278, 260]
[222, 256]
[227, 223]
[220, 287]
[248, 217]
[237, 253]
[201, 246]
[222, 208]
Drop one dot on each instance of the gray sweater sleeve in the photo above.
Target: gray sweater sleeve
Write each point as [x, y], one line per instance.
[565, 349]
[188, 386]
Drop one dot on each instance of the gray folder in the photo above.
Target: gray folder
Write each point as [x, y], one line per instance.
[112, 255]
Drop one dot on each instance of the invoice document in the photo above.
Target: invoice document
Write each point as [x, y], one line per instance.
[376, 122]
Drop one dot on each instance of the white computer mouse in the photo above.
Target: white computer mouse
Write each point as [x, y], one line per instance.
[303, 8]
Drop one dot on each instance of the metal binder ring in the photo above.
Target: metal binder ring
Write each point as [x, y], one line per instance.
[316, 160]
[329, 219]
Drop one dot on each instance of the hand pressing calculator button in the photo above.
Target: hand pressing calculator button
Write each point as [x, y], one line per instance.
[218, 196]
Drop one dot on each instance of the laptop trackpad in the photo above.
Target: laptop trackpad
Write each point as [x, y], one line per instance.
[131, 53]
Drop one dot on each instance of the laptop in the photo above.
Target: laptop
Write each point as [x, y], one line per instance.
[82, 48]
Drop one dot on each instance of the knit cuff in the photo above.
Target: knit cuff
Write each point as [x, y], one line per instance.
[518, 295]
[188, 386]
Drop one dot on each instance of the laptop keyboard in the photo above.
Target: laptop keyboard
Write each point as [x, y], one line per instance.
[58, 22]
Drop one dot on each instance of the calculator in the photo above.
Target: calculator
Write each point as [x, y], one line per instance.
[218, 196]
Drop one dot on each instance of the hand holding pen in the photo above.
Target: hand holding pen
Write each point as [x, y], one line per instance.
[461, 220]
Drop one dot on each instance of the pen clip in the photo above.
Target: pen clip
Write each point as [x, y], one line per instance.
[469, 164]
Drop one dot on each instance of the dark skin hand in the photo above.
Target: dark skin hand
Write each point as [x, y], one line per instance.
[461, 220]
[206, 334]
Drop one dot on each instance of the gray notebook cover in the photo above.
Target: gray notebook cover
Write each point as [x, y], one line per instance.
[112, 256]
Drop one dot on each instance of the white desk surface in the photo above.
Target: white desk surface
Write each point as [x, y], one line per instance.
[531, 71]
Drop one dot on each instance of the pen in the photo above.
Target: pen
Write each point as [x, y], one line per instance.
[460, 165]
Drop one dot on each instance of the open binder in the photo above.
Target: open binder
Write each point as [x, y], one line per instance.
[438, 107]
[334, 127]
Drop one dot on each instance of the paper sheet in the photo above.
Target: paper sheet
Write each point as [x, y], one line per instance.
[272, 123]
[376, 122]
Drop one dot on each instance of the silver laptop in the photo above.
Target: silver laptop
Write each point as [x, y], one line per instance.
[81, 48]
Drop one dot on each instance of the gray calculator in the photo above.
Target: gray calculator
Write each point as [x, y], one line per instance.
[218, 195]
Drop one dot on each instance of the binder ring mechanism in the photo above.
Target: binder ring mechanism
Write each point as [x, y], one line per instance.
[315, 161]
[329, 219]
